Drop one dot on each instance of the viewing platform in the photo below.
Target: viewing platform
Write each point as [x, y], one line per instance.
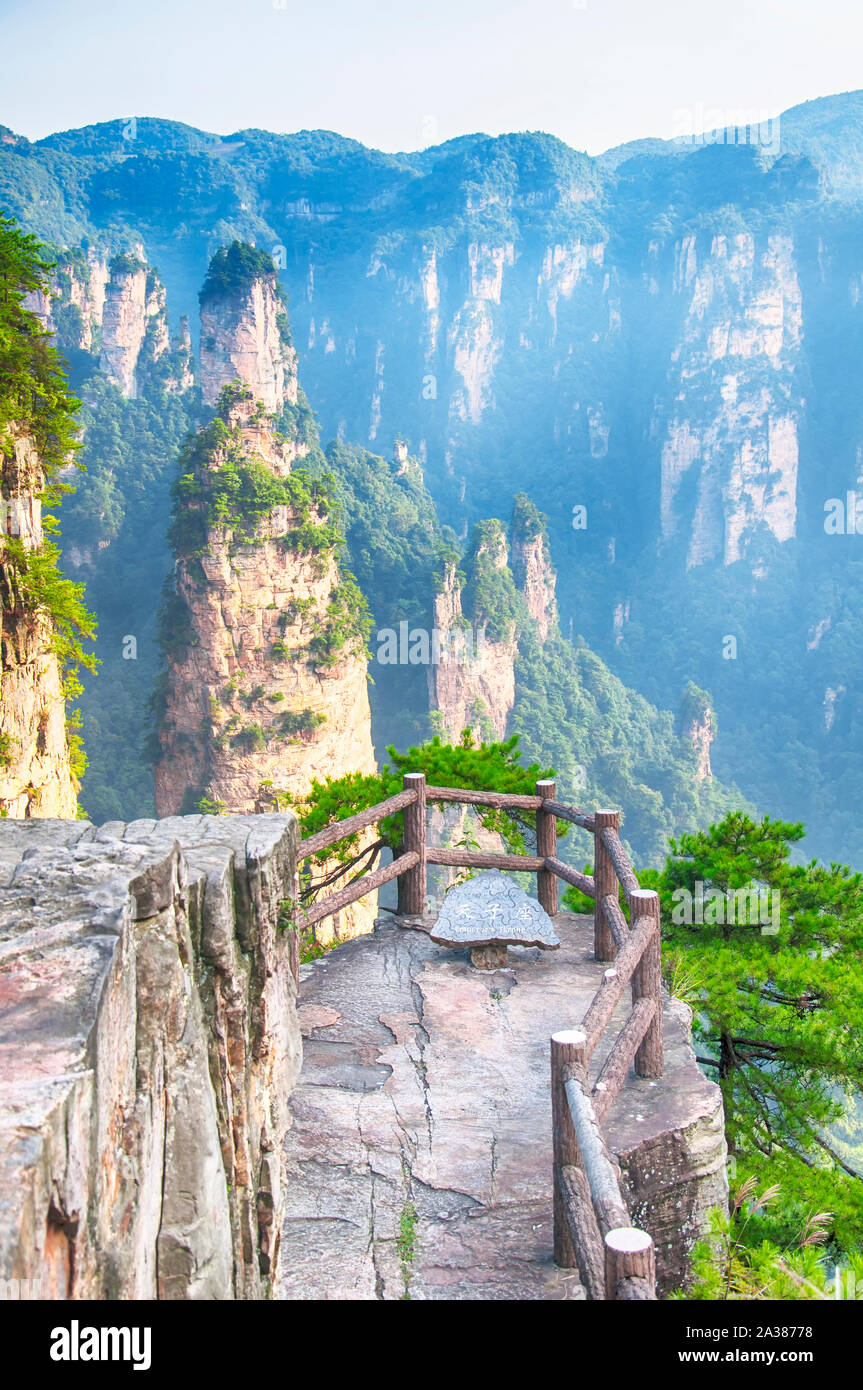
[419, 1159]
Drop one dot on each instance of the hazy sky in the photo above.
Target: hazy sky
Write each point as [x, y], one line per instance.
[398, 74]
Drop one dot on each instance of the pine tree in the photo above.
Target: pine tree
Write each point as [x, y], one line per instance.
[778, 1002]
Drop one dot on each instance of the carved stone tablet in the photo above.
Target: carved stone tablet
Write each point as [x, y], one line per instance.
[491, 910]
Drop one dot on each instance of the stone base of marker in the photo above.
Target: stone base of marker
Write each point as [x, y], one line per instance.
[489, 957]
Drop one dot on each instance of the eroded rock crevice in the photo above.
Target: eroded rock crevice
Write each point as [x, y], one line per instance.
[148, 1047]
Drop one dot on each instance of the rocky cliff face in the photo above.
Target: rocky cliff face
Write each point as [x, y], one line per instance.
[477, 622]
[185, 357]
[473, 684]
[266, 666]
[508, 580]
[734, 425]
[148, 1047]
[36, 777]
[699, 732]
[116, 310]
[531, 566]
[697, 723]
[519, 350]
[242, 339]
[73, 307]
[254, 700]
[134, 323]
[458, 334]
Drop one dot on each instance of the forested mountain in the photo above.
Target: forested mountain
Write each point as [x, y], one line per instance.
[660, 347]
[153, 429]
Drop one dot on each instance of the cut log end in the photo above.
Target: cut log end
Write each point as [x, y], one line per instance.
[630, 1268]
[628, 1240]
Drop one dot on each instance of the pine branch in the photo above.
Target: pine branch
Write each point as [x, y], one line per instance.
[341, 869]
[822, 1144]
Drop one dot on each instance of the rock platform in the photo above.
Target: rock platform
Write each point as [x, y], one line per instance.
[418, 1162]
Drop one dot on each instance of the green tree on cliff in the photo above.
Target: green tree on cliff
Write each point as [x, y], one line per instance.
[486, 767]
[36, 405]
[778, 999]
[34, 393]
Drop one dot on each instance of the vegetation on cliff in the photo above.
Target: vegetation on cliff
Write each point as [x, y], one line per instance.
[737, 1258]
[527, 524]
[768, 953]
[490, 598]
[223, 486]
[610, 746]
[234, 269]
[35, 399]
[37, 410]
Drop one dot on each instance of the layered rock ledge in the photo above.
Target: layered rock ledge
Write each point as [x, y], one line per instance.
[419, 1160]
[148, 1047]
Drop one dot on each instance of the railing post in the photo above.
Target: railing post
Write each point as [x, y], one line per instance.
[546, 847]
[605, 881]
[629, 1254]
[412, 885]
[647, 984]
[567, 1055]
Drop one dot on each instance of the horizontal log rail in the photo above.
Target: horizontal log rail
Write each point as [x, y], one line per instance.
[501, 800]
[342, 829]
[479, 859]
[358, 889]
[571, 876]
[556, 808]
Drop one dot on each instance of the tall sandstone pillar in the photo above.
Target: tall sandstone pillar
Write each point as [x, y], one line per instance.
[266, 669]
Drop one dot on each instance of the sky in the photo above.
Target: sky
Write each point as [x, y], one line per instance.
[401, 75]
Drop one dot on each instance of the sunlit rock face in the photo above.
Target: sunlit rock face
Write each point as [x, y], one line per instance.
[732, 435]
[241, 340]
[36, 778]
[149, 1044]
[257, 704]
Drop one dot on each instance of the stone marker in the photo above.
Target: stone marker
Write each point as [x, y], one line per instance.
[488, 914]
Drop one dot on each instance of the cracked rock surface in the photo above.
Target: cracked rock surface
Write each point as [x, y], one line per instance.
[419, 1158]
[148, 1044]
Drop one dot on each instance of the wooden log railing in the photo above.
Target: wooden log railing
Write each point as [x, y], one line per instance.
[592, 1228]
[411, 865]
